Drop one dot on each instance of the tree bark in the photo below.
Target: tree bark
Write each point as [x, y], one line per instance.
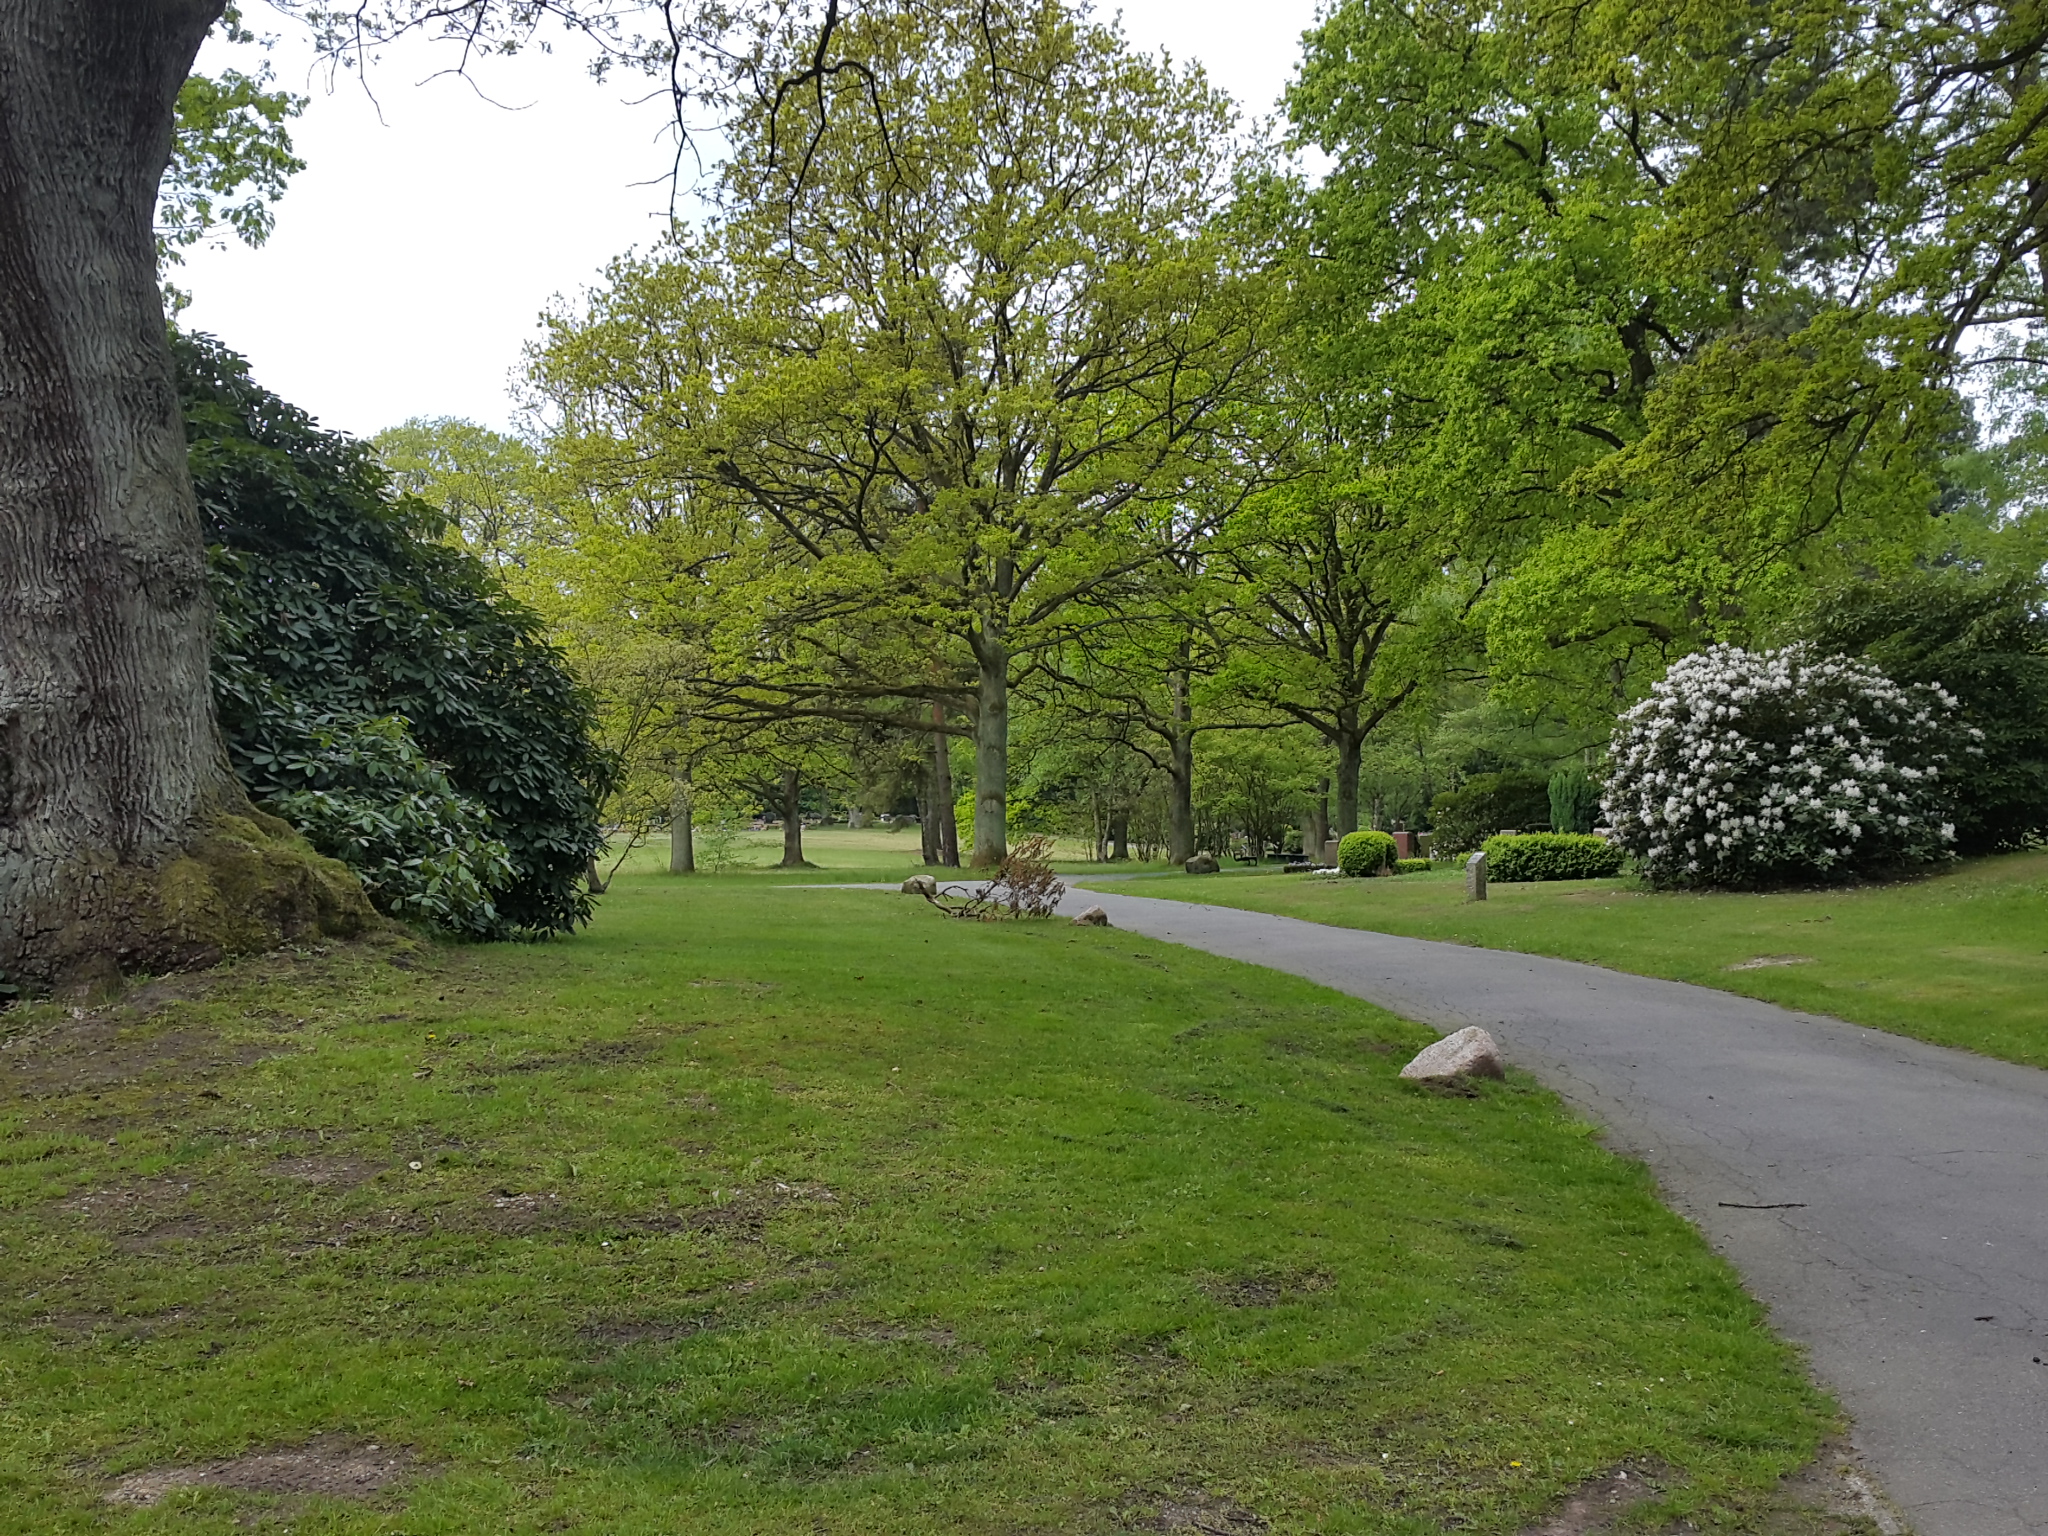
[945, 831]
[113, 780]
[1180, 774]
[928, 803]
[1350, 748]
[992, 753]
[682, 830]
[792, 821]
[1120, 836]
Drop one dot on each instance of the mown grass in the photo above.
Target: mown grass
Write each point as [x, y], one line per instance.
[1960, 958]
[762, 1210]
[836, 853]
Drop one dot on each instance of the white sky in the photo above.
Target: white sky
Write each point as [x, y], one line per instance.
[414, 254]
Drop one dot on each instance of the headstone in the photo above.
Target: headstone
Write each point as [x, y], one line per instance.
[1475, 877]
[1421, 844]
[1404, 844]
[1330, 853]
[921, 885]
[1094, 917]
[1202, 864]
[1470, 1052]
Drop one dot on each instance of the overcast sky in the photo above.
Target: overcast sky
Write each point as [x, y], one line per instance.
[414, 253]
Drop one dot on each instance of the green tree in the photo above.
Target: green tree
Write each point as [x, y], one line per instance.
[957, 342]
[487, 484]
[231, 156]
[1688, 422]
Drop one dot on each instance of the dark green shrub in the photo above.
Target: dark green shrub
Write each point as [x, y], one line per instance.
[423, 851]
[1412, 866]
[1365, 853]
[1551, 856]
[1574, 802]
[1983, 637]
[1463, 819]
[339, 604]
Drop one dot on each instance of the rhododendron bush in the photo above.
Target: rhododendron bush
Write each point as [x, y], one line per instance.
[1746, 769]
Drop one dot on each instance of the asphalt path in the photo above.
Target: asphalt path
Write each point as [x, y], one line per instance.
[1887, 1200]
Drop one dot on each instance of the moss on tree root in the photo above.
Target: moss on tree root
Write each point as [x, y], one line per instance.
[243, 882]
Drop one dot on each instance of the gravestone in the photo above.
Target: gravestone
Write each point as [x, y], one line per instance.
[1404, 844]
[1330, 853]
[1475, 877]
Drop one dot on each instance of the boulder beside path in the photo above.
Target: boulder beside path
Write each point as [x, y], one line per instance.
[1471, 1052]
[1094, 917]
[921, 885]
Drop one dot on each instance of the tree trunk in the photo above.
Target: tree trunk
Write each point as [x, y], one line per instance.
[1350, 747]
[113, 782]
[945, 829]
[682, 829]
[1120, 836]
[928, 808]
[1180, 775]
[992, 754]
[792, 821]
[1317, 832]
[593, 877]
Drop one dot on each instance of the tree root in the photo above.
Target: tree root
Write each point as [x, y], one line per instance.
[242, 883]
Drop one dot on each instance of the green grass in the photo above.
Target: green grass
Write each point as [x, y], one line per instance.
[762, 1210]
[1959, 959]
[836, 854]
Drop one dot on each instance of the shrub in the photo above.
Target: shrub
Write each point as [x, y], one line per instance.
[1743, 769]
[1464, 818]
[1984, 638]
[1412, 866]
[1574, 802]
[1552, 856]
[1365, 853]
[337, 601]
[422, 851]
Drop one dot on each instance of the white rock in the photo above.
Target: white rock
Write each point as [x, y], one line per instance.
[1468, 1053]
[921, 885]
[1094, 917]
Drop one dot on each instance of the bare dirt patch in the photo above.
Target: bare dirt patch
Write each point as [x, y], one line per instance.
[1766, 962]
[90, 1053]
[1267, 1288]
[323, 1172]
[1188, 1509]
[1597, 1504]
[327, 1468]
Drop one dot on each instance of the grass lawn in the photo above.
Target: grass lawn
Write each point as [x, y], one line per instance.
[873, 853]
[761, 1210]
[1959, 959]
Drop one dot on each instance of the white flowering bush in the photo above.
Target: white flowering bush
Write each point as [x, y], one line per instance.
[1746, 769]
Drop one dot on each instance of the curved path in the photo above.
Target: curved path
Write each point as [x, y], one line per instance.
[1888, 1200]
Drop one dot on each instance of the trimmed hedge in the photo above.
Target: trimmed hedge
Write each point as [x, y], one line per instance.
[1365, 853]
[1552, 856]
[1412, 866]
[1463, 819]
